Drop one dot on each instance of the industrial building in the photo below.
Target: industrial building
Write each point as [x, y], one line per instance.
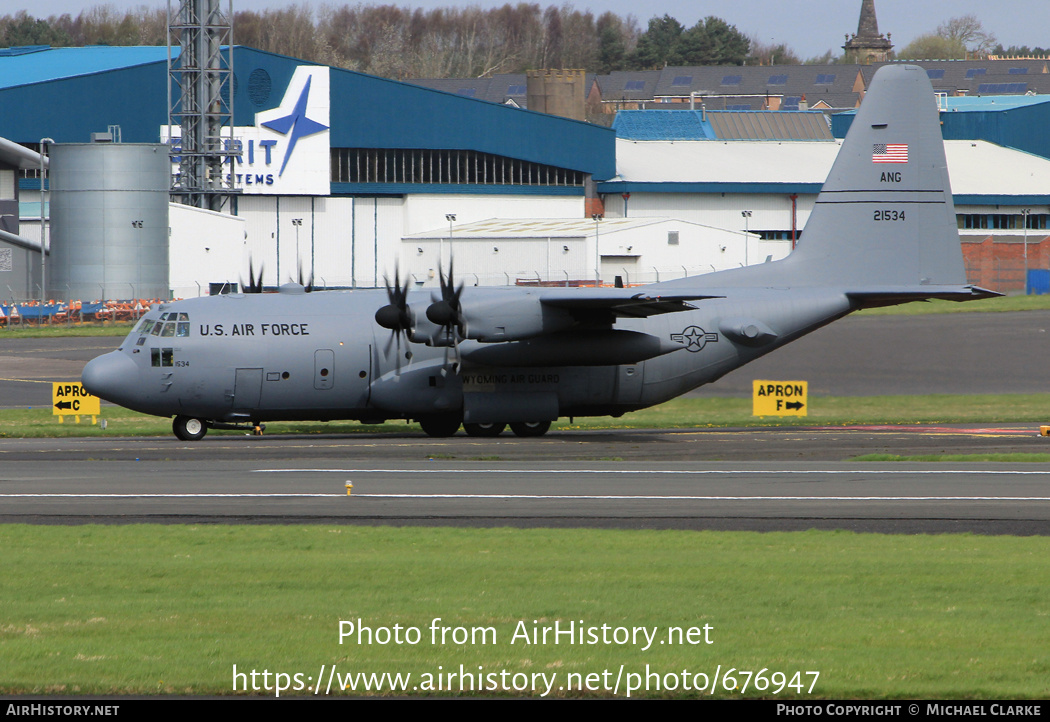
[340, 176]
[361, 162]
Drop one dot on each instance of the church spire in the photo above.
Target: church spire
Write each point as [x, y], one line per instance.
[868, 45]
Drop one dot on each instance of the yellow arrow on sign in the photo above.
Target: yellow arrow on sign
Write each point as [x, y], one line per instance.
[780, 398]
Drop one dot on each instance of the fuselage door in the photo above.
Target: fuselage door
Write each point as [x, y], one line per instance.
[324, 368]
[629, 379]
[247, 389]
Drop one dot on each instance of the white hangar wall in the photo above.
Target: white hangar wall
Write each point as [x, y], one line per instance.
[769, 211]
[350, 241]
[204, 247]
[554, 251]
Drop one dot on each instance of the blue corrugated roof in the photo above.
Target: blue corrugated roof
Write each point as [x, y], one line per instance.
[25, 66]
[86, 89]
[662, 125]
[1012, 121]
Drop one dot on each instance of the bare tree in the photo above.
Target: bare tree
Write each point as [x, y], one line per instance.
[968, 32]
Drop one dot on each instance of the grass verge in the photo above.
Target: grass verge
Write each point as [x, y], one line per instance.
[64, 331]
[143, 609]
[693, 412]
[965, 458]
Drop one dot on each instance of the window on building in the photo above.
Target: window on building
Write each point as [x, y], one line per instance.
[395, 165]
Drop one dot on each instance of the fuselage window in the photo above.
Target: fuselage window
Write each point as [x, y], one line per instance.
[162, 357]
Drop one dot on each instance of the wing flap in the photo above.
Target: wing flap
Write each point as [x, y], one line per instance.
[621, 302]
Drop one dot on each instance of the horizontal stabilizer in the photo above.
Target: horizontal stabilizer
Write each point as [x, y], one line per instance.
[872, 298]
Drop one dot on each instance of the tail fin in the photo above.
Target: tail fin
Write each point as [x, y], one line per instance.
[885, 218]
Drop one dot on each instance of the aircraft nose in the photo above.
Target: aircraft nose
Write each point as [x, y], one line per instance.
[109, 376]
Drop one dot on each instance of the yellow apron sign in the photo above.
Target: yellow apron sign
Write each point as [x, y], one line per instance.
[780, 398]
[70, 399]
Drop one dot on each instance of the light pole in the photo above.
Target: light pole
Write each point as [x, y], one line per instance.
[747, 217]
[1024, 219]
[298, 222]
[597, 253]
[451, 218]
[43, 234]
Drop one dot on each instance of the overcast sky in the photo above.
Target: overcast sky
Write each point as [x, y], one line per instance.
[809, 28]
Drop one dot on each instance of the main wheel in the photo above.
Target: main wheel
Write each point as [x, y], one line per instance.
[530, 428]
[188, 428]
[488, 430]
[441, 425]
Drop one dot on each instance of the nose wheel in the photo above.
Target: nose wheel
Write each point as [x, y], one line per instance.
[189, 428]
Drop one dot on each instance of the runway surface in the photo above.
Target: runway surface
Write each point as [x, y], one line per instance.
[655, 479]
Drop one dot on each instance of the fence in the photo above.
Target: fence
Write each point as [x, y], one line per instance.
[35, 313]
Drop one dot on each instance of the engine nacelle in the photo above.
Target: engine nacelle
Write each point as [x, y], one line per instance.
[494, 316]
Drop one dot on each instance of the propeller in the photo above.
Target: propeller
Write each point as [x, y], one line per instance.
[255, 285]
[396, 315]
[447, 311]
[309, 285]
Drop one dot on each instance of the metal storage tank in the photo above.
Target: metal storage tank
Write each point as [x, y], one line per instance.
[109, 221]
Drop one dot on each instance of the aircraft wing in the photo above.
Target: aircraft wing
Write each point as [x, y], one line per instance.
[620, 302]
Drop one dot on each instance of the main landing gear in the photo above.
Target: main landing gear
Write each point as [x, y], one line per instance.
[445, 425]
[189, 428]
[530, 428]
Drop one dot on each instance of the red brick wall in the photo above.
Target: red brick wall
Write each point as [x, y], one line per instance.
[999, 265]
[592, 206]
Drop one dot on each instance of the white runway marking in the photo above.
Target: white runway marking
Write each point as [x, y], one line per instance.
[699, 472]
[160, 496]
[648, 497]
[577, 497]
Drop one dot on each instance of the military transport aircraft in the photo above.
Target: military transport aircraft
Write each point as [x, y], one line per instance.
[882, 232]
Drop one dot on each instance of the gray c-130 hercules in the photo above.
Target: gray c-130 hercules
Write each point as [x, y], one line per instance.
[882, 232]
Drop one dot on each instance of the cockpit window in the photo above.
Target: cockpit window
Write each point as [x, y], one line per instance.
[183, 328]
[184, 317]
[157, 328]
[146, 325]
[169, 329]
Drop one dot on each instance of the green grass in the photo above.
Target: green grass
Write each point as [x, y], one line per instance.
[966, 458]
[170, 609]
[991, 305]
[693, 412]
[64, 331]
